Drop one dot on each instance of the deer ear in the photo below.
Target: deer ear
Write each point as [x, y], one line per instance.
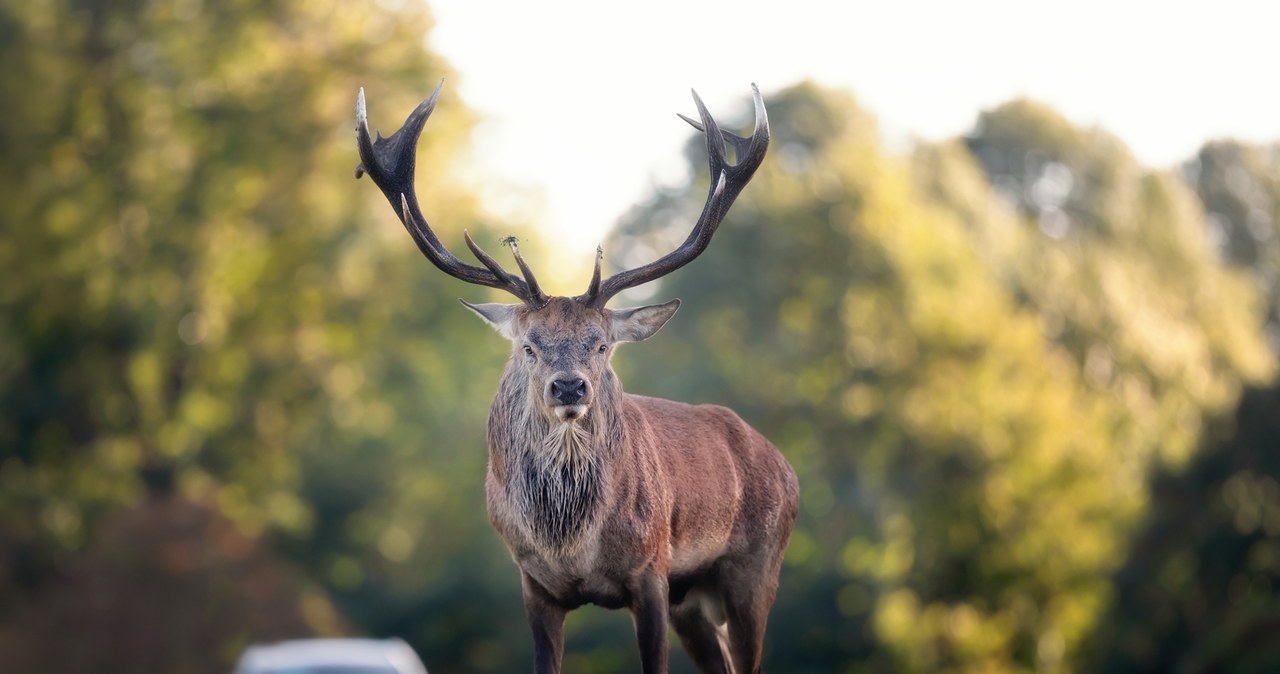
[501, 317]
[639, 324]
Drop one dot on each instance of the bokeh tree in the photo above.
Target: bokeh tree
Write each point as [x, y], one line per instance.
[971, 399]
[1239, 185]
[1201, 590]
[1124, 274]
[197, 292]
[165, 585]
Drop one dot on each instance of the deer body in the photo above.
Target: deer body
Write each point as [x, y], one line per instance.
[663, 487]
[679, 513]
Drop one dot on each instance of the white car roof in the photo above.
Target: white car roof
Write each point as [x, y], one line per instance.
[312, 652]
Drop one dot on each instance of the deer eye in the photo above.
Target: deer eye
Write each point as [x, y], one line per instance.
[528, 350]
[603, 348]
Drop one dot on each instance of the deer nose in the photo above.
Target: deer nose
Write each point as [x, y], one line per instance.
[568, 391]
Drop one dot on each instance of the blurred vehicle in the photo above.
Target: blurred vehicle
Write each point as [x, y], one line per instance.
[331, 656]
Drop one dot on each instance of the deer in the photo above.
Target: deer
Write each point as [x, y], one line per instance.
[679, 513]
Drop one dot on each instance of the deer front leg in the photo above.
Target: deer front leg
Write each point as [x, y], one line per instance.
[546, 620]
[649, 608]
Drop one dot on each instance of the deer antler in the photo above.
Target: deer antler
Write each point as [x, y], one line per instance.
[727, 181]
[390, 164]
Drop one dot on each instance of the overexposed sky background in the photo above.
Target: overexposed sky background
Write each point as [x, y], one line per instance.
[577, 100]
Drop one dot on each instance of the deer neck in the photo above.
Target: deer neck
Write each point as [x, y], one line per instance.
[556, 474]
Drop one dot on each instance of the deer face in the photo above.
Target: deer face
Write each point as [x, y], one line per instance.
[562, 349]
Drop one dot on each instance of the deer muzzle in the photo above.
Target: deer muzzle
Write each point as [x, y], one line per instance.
[568, 396]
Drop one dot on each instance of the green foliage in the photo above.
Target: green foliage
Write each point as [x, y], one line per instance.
[185, 593]
[197, 291]
[971, 401]
[1240, 187]
[1201, 589]
[1124, 274]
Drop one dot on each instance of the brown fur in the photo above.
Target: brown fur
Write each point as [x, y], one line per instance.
[680, 513]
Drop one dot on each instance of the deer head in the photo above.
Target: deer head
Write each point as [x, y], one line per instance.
[563, 348]
[561, 344]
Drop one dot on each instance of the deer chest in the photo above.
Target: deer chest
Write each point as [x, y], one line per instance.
[546, 504]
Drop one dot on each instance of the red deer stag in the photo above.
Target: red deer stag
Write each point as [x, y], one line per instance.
[678, 512]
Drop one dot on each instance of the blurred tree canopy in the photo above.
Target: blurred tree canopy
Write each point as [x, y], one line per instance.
[1239, 185]
[973, 356]
[1199, 592]
[199, 293]
[228, 380]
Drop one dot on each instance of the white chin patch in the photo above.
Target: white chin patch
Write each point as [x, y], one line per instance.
[570, 412]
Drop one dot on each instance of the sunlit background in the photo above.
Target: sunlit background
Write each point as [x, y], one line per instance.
[553, 82]
[1004, 293]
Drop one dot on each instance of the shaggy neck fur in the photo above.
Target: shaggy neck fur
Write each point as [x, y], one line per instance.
[555, 471]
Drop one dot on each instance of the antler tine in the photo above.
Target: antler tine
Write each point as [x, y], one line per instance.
[484, 258]
[714, 137]
[594, 288]
[390, 163]
[536, 296]
[727, 181]
[742, 147]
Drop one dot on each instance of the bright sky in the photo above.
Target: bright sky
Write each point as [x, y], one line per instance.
[578, 99]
